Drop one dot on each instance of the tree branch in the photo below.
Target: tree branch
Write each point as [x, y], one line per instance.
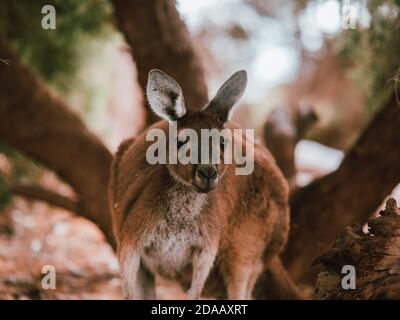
[37, 123]
[35, 192]
[368, 174]
[159, 39]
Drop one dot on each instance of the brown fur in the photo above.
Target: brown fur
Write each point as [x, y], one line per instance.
[243, 222]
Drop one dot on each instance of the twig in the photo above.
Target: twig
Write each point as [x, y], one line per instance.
[7, 62]
[38, 193]
[396, 79]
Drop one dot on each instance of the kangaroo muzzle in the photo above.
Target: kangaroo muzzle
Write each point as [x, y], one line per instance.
[206, 177]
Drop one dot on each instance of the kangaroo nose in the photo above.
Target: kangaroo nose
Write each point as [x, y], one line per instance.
[207, 172]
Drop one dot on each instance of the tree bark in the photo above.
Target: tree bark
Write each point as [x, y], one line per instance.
[368, 174]
[375, 257]
[33, 120]
[159, 39]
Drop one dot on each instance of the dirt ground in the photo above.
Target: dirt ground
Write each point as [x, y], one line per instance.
[33, 234]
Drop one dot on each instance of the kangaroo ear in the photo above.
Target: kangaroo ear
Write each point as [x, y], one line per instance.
[227, 96]
[165, 96]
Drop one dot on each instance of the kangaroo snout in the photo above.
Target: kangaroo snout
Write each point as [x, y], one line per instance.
[206, 177]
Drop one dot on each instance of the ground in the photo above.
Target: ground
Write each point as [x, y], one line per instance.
[33, 235]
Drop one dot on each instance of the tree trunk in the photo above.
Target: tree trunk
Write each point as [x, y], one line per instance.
[375, 257]
[368, 174]
[36, 122]
[159, 39]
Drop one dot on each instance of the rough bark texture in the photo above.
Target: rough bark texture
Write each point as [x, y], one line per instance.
[40, 125]
[369, 172]
[375, 256]
[159, 39]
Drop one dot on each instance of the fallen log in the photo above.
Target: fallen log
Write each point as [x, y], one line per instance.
[373, 251]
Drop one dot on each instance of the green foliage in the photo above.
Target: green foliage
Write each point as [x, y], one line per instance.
[53, 53]
[5, 192]
[374, 51]
[22, 170]
[74, 59]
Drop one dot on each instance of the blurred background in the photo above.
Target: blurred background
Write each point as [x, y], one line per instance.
[319, 71]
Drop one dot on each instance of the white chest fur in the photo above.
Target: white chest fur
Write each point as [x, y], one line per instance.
[170, 247]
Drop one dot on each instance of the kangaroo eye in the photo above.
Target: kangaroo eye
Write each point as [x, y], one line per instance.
[180, 143]
[222, 143]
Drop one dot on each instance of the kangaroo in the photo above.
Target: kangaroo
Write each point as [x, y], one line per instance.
[189, 222]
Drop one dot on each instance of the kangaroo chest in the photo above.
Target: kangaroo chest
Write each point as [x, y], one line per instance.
[170, 246]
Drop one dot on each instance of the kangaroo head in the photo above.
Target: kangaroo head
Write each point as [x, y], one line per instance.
[166, 99]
